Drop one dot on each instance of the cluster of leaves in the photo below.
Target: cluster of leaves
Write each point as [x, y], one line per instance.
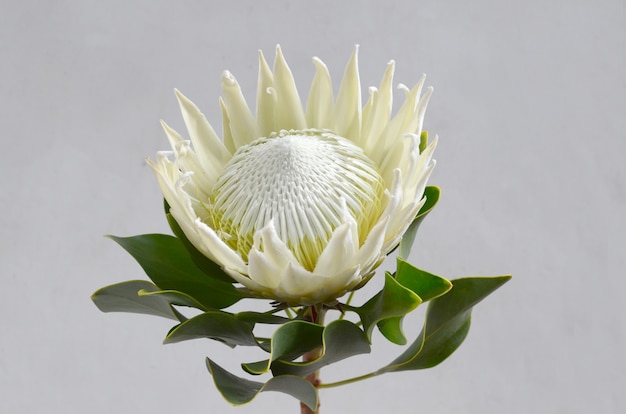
[182, 277]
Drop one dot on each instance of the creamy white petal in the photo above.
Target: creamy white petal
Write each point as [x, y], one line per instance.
[172, 136]
[289, 113]
[372, 249]
[422, 169]
[297, 282]
[181, 205]
[417, 121]
[223, 254]
[166, 174]
[243, 126]
[367, 110]
[266, 100]
[229, 141]
[262, 270]
[269, 257]
[247, 282]
[273, 247]
[203, 137]
[320, 105]
[304, 287]
[186, 160]
[380, 114]
[338, 284]
[400, 124]
[393, 159]
[393, 203]
[340, 249]
[399, 226]
[348, 106]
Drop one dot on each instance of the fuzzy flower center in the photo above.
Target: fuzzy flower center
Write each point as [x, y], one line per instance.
[305, 181]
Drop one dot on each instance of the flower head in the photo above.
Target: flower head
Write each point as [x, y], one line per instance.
[299, 205]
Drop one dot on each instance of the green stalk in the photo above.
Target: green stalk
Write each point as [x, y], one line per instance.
[347, 381]
[316, 315]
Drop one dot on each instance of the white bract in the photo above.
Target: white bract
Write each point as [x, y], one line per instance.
[299, 206]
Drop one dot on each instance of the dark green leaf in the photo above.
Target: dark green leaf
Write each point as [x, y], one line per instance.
[240, 391]
[432, 197]
[289, 342]
[447, 323]
[392, 330]
[392, 301]
[217, 325]
[123, 297]
[426, 285]
[341, 339]
[258, 317]
[174, 297]
[166, 261]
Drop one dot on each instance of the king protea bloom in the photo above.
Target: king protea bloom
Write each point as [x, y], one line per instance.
[299, 205]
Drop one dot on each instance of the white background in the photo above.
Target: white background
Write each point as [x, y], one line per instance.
[529, 105]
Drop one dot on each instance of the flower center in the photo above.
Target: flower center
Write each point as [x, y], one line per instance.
[303, 181]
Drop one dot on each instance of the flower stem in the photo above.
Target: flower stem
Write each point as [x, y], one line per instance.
[313, 378]
[314, 314]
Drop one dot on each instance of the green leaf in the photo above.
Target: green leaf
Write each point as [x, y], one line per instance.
[341, 339]
[209, 267]
[432, 194]
[392, 330]
[426, 285]
[258, 317]
[174, 297]
[166, 261]
[123, 297]
[289, 342]
[217, 325]
[392, 301]
[240, 391]
[447, 323]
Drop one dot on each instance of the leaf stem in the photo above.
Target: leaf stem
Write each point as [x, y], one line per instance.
[347, 381]
[347, 304]
[289, 313]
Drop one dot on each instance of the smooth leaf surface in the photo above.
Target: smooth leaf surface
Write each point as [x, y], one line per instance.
[289, 342]
[432, 194]
[447, 323]
[240, 391]
[217, 325]
[259, 317]
[174, 297]
[168, 264]
[209, 267]
[391, 329]
[392, 301]
[341, 339]
[424, 284]
[123, 297]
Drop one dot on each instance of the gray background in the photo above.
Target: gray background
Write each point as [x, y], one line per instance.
[529, 106]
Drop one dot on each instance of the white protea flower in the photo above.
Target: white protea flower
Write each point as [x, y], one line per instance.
[299, 205]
